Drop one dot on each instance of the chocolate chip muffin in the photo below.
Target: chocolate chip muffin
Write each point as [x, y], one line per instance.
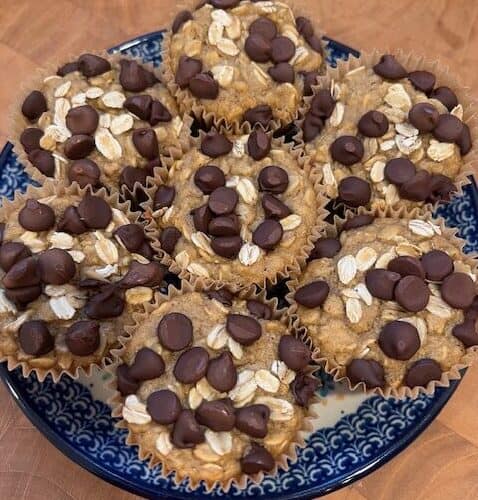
[73, 267]
[388, 131]
[100, 121]
[214, 387]
[239, 62]
[238, 211]
[390, 304]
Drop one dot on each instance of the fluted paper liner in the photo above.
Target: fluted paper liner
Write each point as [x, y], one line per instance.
[411, 62]
[309, 420]
[333, 369]
[152, 228]
[8, 210]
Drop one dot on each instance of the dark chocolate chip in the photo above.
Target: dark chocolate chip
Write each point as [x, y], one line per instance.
[252, 420]
[186, 431]
[191, 365]
[78, 146]
[381, 283]
[388, 67]
[159, 114]
[223, 295]
[310, 79]
[215, 145]
[135, 78]
[131, 235]
[188, 67]
[204, 86]
[311, 127]
[406, 266]
[70, 222]
[442, 188]
[182, 17]
[358, 221]
[94, 212]
[147, 365]
[82, 120]
[347, 150]
[261, 115]
[85, 172]
[12, 252]
[446, 96]
[223, 200]
[399, 340]
[30, 139]
[163, 406]
[221, 372]
[150, 275]
[268, 234]
[227, 246]
[83, 338]
[130, 176]
[399, 170]
[315, 43]
[282, 49]
[218, 415]
[257, 459]
[466, 333]
[35, 338]
[273, 179]
[282, 73]
[36, 216]
[168, 238]
[458, 290]
[274, 208]
[312, 295]
[109, 303]
[354, 191]
[422, 372]
[422, 80]
[303, 388]
[294, 353]
[423, 116]
[448, 128]
[92, 65]
[201, 218]
[175, 331]
[258, 48]
[23, 296]
[464, 141]
[437, 265]
[67, 68]
[126, 385]
[164, 197]
[373, 124]
[43, 161]
[57, 267]
[24, 273]
[224, 4]
[225, 225]
[367, 371]
[146, 143]
[243, 329]
[323, 104]
[259, 309]
[304, 26]
[139, 105]
[34, 105]
[325, 248]
[209, 178]
[418, 188]
[258, 144]
[412, 293]
[265, 27]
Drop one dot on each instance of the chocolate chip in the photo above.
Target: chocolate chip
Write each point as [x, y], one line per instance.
[282, 49]
[312, 295]
[399, 170]
[442, 188]
[209, 178]
[181, 18]
[168, 238]
[30, 139]
[259, 309]
[221, 372]
[368, 371]
[12, 252]
[35, 338]
[131, 235]
[423, 116]
[94, 212]
[201, 218]
[315, 43]
[92, 65]
[399, 340]
[466, 333]
[126, 385]
[134, 78]
[36, 216]
[422, 372]
[175, 331]
[109, 303]
[347, 150]
[139, 105]
[217, 415]
[261, 115]
[147, 365]
[146, 143]
[304, 26]
[22, 274]
[294, 353]
[373, 124]
[422, 80]
[303, 388]
[34, 105]
[446, 96]
[388, 67]
[412, 293]
[186, 432]
[78, 146]
[448, 128]
[43, 161]
[191, 365]
[215, 145]
[223, 295]
[83, 338]
[159, 114]
[163, 406]
[381, 283]
[224, 4]
[57, 267]
[273, 179]
[85, 172]
[67, 68]
[252, 420]
[243, 329]
[418, 188]
[130, 176]
[188, 67]
[225, 225]
[258, 144]
[358, 221]
[227, 246]
[268, 234]
[274, 208]
[311, 127]
[164, 197]
[464, 141]
[437, 265]
[23, 296]
[325, 248]
[258, 48]
[406, 266]
[223, 200]
[150, 275]
[204, 86]
[323, 104]
[70, 222]
[265, 27]
[282, 73]
[257, 459]
[354, 191]
[458, 290]
[310, 79]
[82, 120]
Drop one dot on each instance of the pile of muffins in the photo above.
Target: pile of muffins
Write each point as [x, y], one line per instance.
[244, 163]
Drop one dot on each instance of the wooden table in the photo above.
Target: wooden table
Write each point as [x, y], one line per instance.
[443, 462]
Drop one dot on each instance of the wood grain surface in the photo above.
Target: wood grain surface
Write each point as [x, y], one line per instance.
[443, 462]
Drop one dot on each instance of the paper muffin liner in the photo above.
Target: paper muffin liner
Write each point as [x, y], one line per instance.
[289, 456]
[153, 229]
[17, 122]
[411, 62]
[402, 392]
[190, 104]
[8, 209]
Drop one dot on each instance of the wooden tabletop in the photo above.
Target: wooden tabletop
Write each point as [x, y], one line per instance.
[443, 461]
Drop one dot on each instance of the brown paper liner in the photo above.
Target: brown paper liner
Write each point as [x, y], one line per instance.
[333, 369]
[283, 462]
[152, 228]
[190, 104]
[8, 210]
[410, 61]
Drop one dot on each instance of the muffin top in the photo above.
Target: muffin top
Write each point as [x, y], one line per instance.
[243, 62]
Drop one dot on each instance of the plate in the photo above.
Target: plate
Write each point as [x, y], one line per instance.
[357, 434]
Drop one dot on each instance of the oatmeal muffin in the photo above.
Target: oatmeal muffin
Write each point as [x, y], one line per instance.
[239, 211]
[100, 121]
[388, 131]
[390, 303]
[236, 62]
[73, 268]
[214, 387]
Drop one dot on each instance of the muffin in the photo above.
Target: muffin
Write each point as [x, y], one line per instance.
[100, 121]
[234, 63]
[389, 131]
[390, 303]
[73, 268]
[239, 211]
[214, 388]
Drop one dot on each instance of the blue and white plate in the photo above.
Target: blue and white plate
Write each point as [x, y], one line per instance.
[357, 434]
